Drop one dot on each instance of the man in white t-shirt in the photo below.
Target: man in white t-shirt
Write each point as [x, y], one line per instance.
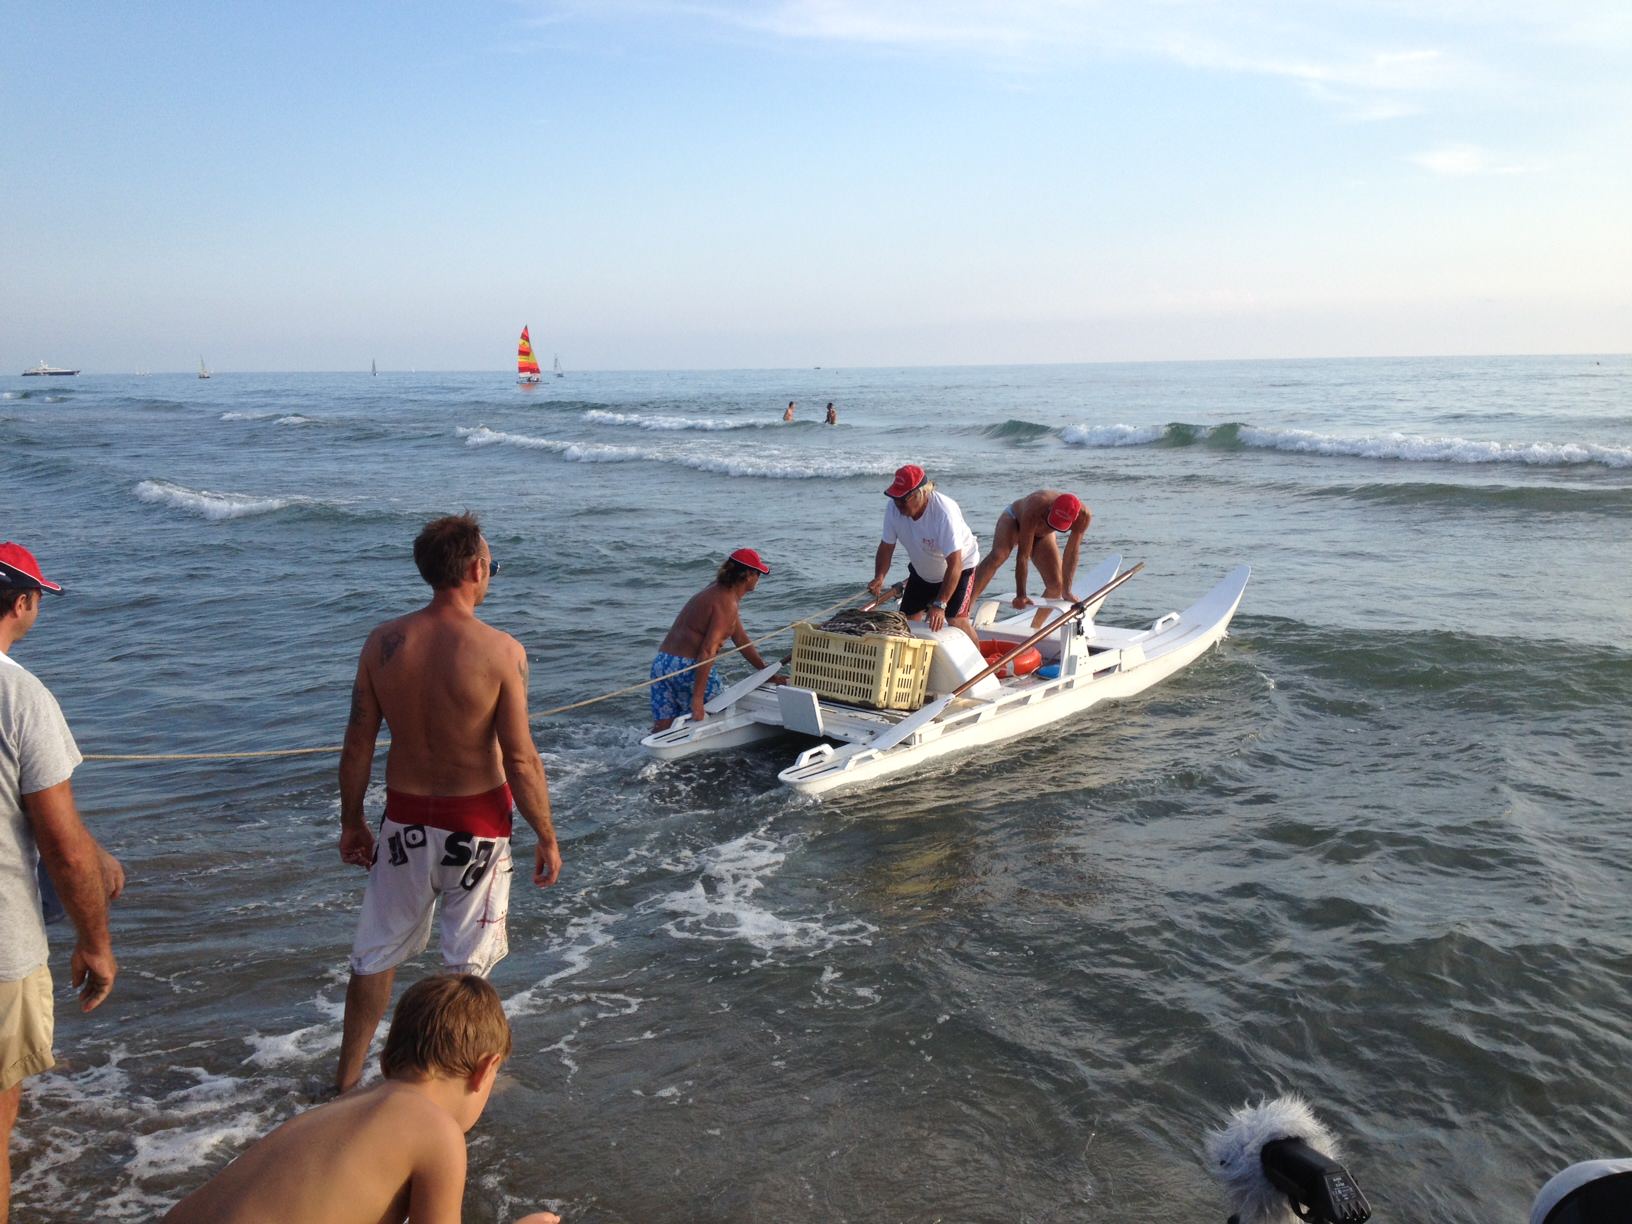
[942, 551]
[38, 822]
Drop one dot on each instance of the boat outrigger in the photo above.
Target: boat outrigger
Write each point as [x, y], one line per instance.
[967, 704]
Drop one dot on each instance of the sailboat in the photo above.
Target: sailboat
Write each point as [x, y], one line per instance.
[526, 363]
[558, 371]
[373, 368]
[203, 370]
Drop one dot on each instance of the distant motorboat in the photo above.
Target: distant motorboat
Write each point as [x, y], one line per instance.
[203, 370]
[527, 371]
[42, 368]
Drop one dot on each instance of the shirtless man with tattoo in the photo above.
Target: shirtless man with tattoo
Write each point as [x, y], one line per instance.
[454, 694]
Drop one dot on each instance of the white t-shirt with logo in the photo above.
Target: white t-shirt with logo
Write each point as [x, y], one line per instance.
[37, 751]
[937, 533]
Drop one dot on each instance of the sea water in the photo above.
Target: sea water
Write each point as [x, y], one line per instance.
[1371, 849]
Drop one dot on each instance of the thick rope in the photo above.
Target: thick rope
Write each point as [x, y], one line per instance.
[329, 751]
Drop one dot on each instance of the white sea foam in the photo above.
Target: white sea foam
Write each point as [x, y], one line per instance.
[1410, 448]
[212, 505]
[1111, 435]
[1414, 448]
[245, 416]
[768, 466]
[293, 418]
[602, 417]
[721, 906]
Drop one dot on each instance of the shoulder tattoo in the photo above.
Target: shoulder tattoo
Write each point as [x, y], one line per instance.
[389, 645]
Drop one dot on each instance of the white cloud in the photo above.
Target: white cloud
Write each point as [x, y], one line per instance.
[1465, 160]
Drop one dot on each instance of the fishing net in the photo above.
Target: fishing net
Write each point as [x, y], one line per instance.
[858, 623]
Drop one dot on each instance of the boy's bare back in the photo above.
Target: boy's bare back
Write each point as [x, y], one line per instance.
[367, 1158]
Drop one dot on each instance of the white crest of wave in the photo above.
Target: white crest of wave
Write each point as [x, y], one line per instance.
[1417, 449]
[770, 467]
[293, 418]
[1111, 435]
[245, 416]
[601, 417]
[212, 505]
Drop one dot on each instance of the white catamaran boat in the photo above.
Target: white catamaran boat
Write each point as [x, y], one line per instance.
[1085, 664]
[203, 370]
[527, 374]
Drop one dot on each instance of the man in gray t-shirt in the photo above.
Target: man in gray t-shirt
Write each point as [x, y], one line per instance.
[38, 822]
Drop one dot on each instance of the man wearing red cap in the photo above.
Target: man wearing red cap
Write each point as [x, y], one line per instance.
[943, 551]
[709, 617]
[1027, 528]
[39, 823]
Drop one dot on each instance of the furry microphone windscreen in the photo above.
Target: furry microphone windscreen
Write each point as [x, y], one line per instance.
[1233, 1153]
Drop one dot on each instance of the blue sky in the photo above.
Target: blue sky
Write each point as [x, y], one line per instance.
[287, 186]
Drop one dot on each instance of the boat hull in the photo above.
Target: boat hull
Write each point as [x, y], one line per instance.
[1104, 664]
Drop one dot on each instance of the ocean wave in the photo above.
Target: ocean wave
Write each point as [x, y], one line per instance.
[601, 417]
[245, 416]
[1410, 448]
[1016, 430]
[210, 505]
[1518, 498]
[294, 418]
[769, 467]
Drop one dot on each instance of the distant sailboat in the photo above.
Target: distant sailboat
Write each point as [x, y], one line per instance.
[526, 364]
[558, 371]
[373, 368]
[203, 370]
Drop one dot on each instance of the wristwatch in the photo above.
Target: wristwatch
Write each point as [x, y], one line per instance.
[938, 603]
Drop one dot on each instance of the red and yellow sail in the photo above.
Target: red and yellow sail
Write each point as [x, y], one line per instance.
[526, 363]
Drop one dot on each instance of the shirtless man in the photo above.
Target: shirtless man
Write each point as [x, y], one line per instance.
[1027, 528]
[390, 1152]
[788, 415]
[454, 692]
[709, 617]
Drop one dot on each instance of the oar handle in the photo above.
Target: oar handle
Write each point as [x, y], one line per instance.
[1071, 613]
[885, 597]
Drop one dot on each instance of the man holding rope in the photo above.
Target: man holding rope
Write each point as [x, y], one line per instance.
[454, 692]
[683, 671]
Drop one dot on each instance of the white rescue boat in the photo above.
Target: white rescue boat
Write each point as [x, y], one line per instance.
[1092, 663]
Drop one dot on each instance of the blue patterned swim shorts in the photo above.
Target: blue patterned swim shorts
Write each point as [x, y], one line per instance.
[672, 697]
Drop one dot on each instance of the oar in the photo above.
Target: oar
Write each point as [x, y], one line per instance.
[913, 723]
[730, 696]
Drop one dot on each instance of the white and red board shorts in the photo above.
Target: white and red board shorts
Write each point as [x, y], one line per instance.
[414, 864]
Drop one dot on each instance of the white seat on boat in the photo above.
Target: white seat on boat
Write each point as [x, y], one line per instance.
[955, 660]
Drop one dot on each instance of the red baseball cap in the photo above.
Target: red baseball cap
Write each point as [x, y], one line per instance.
[750, 558]
[1064, 512]
[19, 569]
[907, 478]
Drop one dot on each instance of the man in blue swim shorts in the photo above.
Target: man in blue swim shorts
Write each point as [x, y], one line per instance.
[708, 618]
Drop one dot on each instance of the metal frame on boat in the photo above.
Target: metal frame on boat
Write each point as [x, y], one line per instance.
[1095, 663]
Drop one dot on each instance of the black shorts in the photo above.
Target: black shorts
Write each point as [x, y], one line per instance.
[920, 593]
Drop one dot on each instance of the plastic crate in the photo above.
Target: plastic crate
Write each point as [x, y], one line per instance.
[875, 669]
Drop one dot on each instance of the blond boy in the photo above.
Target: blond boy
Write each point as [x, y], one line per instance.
[391, 1152]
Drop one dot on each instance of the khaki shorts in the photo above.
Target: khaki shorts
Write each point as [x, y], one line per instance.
[25, 1028]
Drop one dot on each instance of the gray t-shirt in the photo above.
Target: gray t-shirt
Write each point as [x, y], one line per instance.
[37, 751]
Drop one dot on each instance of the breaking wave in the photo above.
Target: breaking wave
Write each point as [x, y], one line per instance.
[1016, 430]
[770, 467]
[1409, 448]
[211, 505]
[667, 423]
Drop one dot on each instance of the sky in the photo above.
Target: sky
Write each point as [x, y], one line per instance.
[788, 183]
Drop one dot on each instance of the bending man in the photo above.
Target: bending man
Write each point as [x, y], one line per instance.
[454, 692]
[1027, 529]
[709, 617]
[943, 551]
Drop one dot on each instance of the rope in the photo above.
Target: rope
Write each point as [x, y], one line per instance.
[329, 751]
